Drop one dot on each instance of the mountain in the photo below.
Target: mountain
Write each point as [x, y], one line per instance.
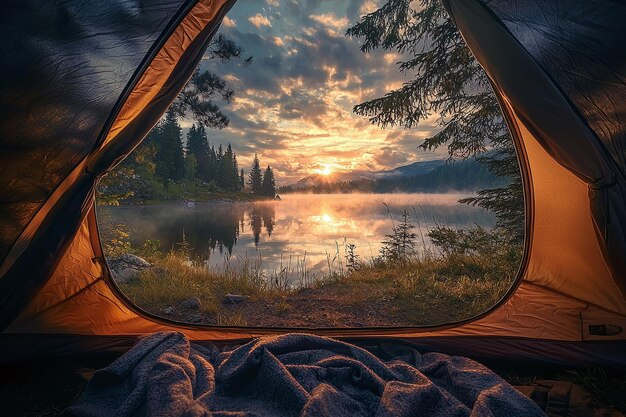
[416, 168]
[424, 176]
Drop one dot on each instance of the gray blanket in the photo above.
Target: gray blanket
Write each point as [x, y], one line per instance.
[294, 375]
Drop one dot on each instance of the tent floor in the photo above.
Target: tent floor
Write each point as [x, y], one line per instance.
[46, 389]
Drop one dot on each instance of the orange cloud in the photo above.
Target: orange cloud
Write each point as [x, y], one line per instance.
[258, 20]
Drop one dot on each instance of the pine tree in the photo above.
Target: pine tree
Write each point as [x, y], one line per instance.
[197, 98]
[212, 167]
[235, 174]
[400, 246]
[448, 81]
[242, 181]
[229, 177]
[219, 167]
[198, 147]
[255, 179]
[268, 185]
[170, 156]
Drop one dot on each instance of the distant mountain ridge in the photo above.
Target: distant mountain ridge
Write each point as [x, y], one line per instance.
[416, 168]
[422, 176]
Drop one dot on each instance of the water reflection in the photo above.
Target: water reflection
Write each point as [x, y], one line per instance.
[299, 226]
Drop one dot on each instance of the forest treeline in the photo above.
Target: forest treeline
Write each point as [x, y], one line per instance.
[468, 175]
[166, 167]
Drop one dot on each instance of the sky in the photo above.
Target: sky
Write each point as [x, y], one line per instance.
[293, 104]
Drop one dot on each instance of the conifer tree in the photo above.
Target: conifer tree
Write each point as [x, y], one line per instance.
[170, 156]
[242, 181]
[268, 185]
[255, 179]
[235, 174]
[198, 147]
[219, 172]
[228, 176]
[446, 80]
[212, 168]
[198, 97]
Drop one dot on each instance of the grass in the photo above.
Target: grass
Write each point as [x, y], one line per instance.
[175, 279]
[397, 288]
[432, 290]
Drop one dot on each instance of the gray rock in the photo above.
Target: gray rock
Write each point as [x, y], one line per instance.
[191, 303]
[133, 260]
[168, 310]
[196, 318]
[127, 267]
[234, 299]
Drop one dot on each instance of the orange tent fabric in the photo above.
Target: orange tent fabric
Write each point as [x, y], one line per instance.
[54, 282]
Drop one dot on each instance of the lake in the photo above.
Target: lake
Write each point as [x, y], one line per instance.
[299, 232]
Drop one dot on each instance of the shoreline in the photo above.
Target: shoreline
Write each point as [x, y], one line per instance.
[212, 198]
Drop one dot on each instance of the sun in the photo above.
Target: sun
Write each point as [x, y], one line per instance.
[324, 169]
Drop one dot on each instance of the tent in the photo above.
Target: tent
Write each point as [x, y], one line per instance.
[84, 81]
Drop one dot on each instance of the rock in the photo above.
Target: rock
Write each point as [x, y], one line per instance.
[191, 303]
[168, 311]
[196, 318]
[234, 299]
[127, 267]
[134, 260]
[190, 204]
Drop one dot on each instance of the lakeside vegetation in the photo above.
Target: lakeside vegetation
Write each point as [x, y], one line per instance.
[164, 167]
[450, 281]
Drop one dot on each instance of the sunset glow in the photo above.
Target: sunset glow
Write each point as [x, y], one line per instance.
[294, 105]
[325, 170]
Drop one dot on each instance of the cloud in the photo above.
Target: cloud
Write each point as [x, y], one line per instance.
[293, 105]
[389, 156]
[330, 20]
[229, 23]
[367, 7]
[259, 20]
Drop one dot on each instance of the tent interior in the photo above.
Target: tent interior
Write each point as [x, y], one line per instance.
[84, 81]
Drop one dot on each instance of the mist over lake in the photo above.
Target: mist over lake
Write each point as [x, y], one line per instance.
[279, 234]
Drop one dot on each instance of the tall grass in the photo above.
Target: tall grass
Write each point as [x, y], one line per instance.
[419, 285]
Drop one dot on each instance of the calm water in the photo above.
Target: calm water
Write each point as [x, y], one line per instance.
[301, 228]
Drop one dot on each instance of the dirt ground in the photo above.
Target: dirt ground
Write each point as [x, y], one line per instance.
[336, 305]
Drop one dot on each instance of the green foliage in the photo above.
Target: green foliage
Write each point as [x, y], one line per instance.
[169, 154]
[478, 243]
[117, 241]
[400, 244]
[353, 261]
[198, 148]
[268, 185]
[160, 168]
[197, 97]
[114, 187]
[448, 81]
[255, 180]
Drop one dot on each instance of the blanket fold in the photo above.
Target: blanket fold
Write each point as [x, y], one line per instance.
[294, 375]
